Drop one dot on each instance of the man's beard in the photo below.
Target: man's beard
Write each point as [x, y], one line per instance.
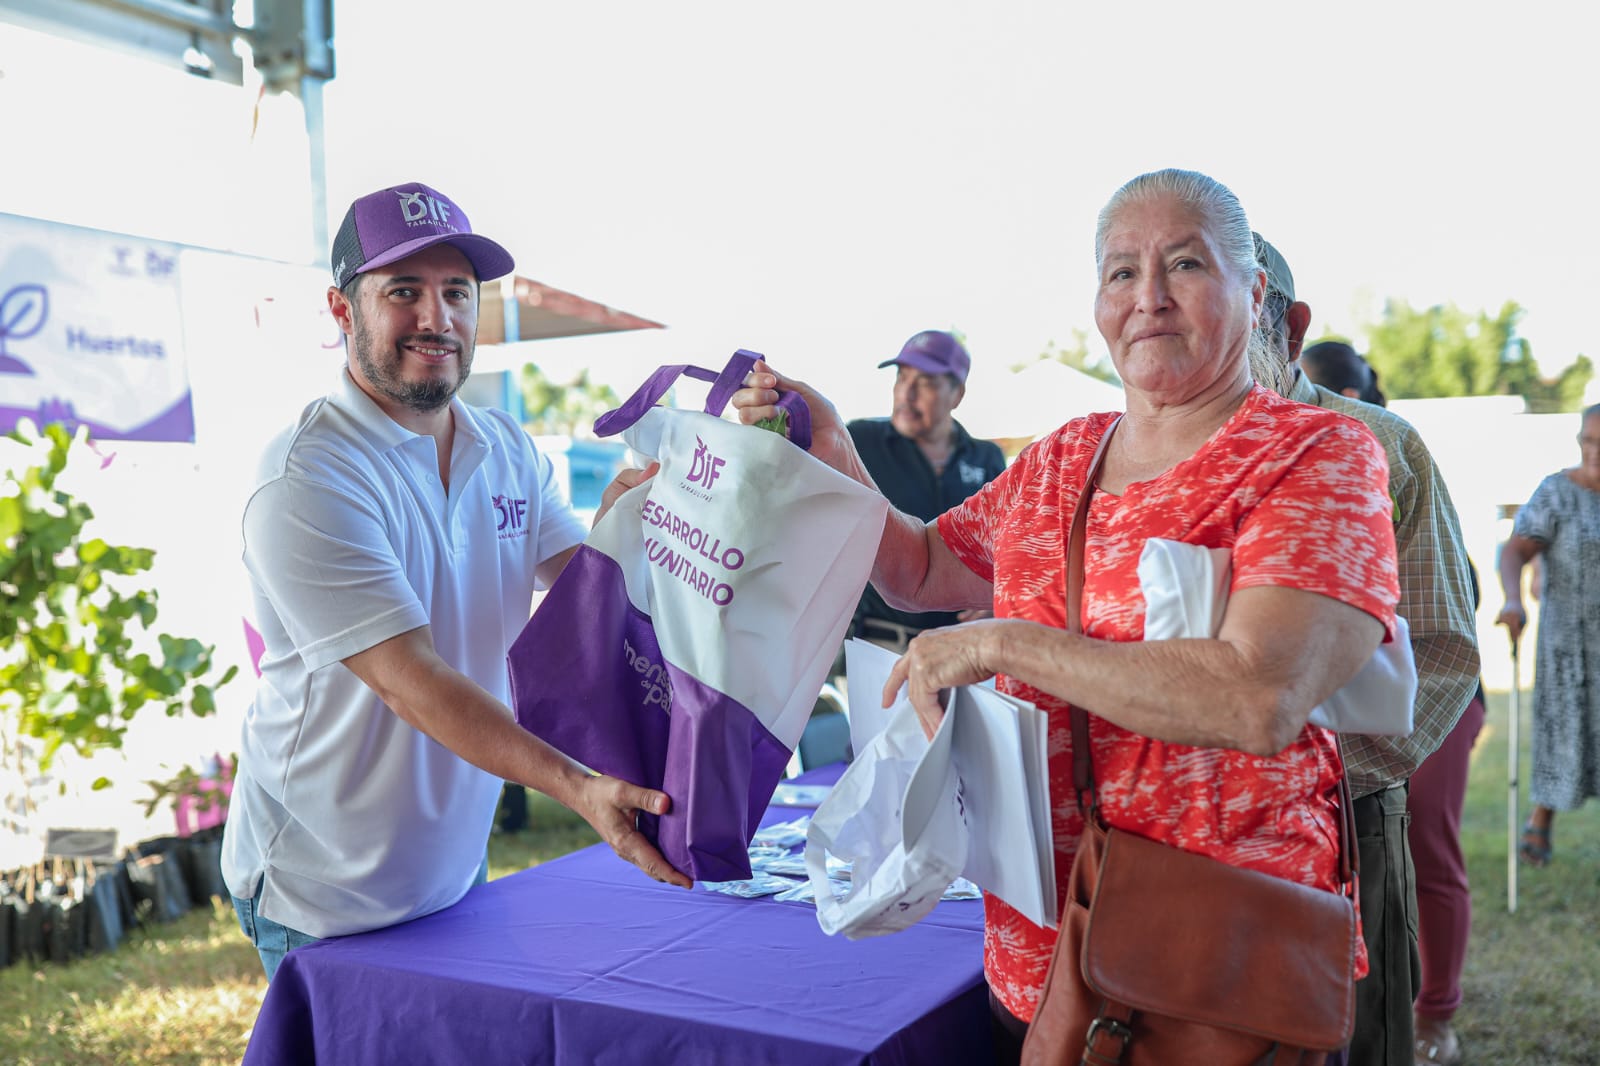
[421, 396]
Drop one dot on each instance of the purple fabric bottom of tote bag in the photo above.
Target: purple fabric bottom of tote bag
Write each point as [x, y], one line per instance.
[588, 678]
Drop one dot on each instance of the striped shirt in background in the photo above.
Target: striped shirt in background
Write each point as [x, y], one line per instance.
[1435, 596]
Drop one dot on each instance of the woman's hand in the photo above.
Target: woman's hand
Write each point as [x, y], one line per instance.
[758, 400]
[944, 658]
[1514, 618]
[1515, 554]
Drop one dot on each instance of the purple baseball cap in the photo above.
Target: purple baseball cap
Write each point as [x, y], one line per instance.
[934, 351]
[390, 224]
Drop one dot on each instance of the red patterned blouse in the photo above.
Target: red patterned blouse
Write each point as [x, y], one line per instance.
[1300, 496]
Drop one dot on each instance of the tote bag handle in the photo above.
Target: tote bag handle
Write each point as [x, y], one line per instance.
[723, 386]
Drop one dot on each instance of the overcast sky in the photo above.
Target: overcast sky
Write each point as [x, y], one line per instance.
[821, 181]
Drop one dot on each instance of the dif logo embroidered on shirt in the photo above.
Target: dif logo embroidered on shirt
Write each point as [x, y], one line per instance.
[704, 469]
[513, 517]
[420, 209]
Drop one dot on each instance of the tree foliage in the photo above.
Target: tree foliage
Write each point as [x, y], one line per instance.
[564, 409]
[76, 662]
[1445, 351]
[1076, 355]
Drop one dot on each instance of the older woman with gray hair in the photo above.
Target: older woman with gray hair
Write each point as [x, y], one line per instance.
[1560, 524]
[1201, 744]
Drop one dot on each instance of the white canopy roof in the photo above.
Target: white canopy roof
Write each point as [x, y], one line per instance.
[1034, 401]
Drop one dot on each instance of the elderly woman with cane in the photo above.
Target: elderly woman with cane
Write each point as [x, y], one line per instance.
[1202, 745]
[1560, 524]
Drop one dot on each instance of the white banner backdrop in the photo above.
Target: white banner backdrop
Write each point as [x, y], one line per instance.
[91, 332]
[260, 344]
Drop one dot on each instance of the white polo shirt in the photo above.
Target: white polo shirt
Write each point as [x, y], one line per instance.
[343, 817]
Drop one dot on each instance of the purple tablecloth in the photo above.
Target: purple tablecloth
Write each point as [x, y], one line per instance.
[585, 960]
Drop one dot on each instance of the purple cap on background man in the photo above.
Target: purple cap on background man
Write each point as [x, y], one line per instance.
[934, 351]
[390, 224]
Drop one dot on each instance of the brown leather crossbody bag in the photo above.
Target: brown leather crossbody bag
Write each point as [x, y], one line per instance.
[1164, 956]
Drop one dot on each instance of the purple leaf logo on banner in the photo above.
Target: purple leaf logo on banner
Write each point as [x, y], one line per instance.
[55, 409]
[23, 312]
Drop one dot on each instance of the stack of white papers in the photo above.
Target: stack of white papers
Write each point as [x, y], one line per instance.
[999, 751]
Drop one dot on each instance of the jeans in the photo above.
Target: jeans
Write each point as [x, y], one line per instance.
[273, 941]
[1387, 883]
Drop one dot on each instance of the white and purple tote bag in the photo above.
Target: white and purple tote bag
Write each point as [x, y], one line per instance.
[684, 645]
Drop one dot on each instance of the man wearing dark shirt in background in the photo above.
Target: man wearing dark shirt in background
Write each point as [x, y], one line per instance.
[924, 462]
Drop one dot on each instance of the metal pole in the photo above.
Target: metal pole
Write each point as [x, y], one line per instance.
[1513, 828]
[311, 102]
[188, 16]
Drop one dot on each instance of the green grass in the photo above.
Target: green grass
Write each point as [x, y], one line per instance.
[189, 992]
[1531, 989]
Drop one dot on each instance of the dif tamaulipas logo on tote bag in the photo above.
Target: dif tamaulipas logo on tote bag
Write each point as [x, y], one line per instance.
[685, 643]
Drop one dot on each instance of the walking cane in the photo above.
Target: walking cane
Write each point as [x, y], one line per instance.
[1512, 826]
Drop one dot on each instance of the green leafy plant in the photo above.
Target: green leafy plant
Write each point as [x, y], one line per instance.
[207, 792]
[1447, 351]
[778, 423]
[76, 661]
[1077, 356]
[563, 409]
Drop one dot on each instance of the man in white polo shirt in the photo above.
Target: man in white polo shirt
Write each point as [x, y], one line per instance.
[394, 540]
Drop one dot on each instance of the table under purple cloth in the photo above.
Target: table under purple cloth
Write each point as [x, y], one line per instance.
[585, 960]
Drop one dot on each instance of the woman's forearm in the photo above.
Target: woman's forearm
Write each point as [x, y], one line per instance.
[1251, 689]
[914, 571]
[1514, 558]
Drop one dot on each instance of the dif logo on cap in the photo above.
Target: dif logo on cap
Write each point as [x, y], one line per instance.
[391, 224]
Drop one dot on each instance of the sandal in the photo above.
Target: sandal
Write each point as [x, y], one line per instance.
[1535, 847]
[1437, 1044]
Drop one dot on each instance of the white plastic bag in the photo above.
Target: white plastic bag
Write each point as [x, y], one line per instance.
[998, 749]
[896, 815]
[1186, 591]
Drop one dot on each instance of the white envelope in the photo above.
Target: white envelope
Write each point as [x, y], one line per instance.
[1001, 758]
[1185, 590]
[866, 666]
